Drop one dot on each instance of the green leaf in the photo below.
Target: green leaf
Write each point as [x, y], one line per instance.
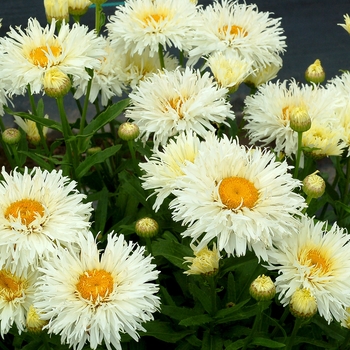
[105, 117]
[164, 331]
[51, 124]
[101, 210]
[203, 295]
[267, 343]
[172, 251]
[196, 320]
[96, 158]
[212, 342]
[241, 314]
[38, 159]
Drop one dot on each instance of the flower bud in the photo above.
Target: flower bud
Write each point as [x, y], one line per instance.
[78, 7]
[205, 262]
[299, 119]
[11, 136]
[34, 323]
[146, 227]
[57, 9]
[313, 185]
[56, 83]
[303, 304]
[315, 73]
[93, 150]
[128, 131]
[262, 288]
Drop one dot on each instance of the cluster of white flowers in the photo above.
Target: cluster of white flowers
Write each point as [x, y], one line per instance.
[53, 275]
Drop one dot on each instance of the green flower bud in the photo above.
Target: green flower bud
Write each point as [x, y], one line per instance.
[128, 131]
[146, 227]
[93, 150]
[299, 119]
[313, 185]
[262, 288]
[303, 304]
[11, 136]
[315, 73]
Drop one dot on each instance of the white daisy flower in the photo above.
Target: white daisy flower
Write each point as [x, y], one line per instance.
[166, 165]
[232, 27]
[168, 103]
[146, 24]
[105, 80]
[316, 259]
[28, 54]
[39, 210]
[267, 112]
[240, 197]
[17, 293]
[229, 70]
[134, 68]
[92, 297]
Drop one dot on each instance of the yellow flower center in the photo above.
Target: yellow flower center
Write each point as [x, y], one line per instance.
[39, 55]
[286, 113]
[176, 104]
[318, 260]
[11, 286]
[27, 209]
[154, 18]
[236, 192]
[233, 30]
[95, 285]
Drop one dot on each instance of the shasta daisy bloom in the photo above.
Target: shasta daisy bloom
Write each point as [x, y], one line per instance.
[105, 80]
[229, 70]
[346, 24]
[316, 259]
[94, 297]
[166, 165]
[39, 210]
[232, 27]
[30, 53]
[268, 112]
[146, 24]
[169, 103]
[240, 197]
[134, 68]
[17, 292]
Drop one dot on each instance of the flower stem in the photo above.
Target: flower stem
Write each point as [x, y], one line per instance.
[256, 326]
[297, 160]
[161, 56]
[297, 324]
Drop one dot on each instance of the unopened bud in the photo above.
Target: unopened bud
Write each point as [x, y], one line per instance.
[78, 7]
[262, 288]
[303, 304]
[205, 262]
[313, 185]
[56, 83]
[128, 131]
[315, 73]
[93, 150]
[11, 136]
[299, 119]
[146, 227]
[57, 9]
[34, 323]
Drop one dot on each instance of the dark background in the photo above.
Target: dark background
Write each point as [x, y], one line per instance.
[310, 27]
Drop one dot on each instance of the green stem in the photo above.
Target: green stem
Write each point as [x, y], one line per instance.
[133, 157]
[98, 24]
[161, 56]
[297, 324]
[71, 148]
[297, 160]
[346, 342]
[86, 105]
[347, 183]
[308, 201]
[31, 100]
[212, 283]
[256, 326]
[281, 321]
